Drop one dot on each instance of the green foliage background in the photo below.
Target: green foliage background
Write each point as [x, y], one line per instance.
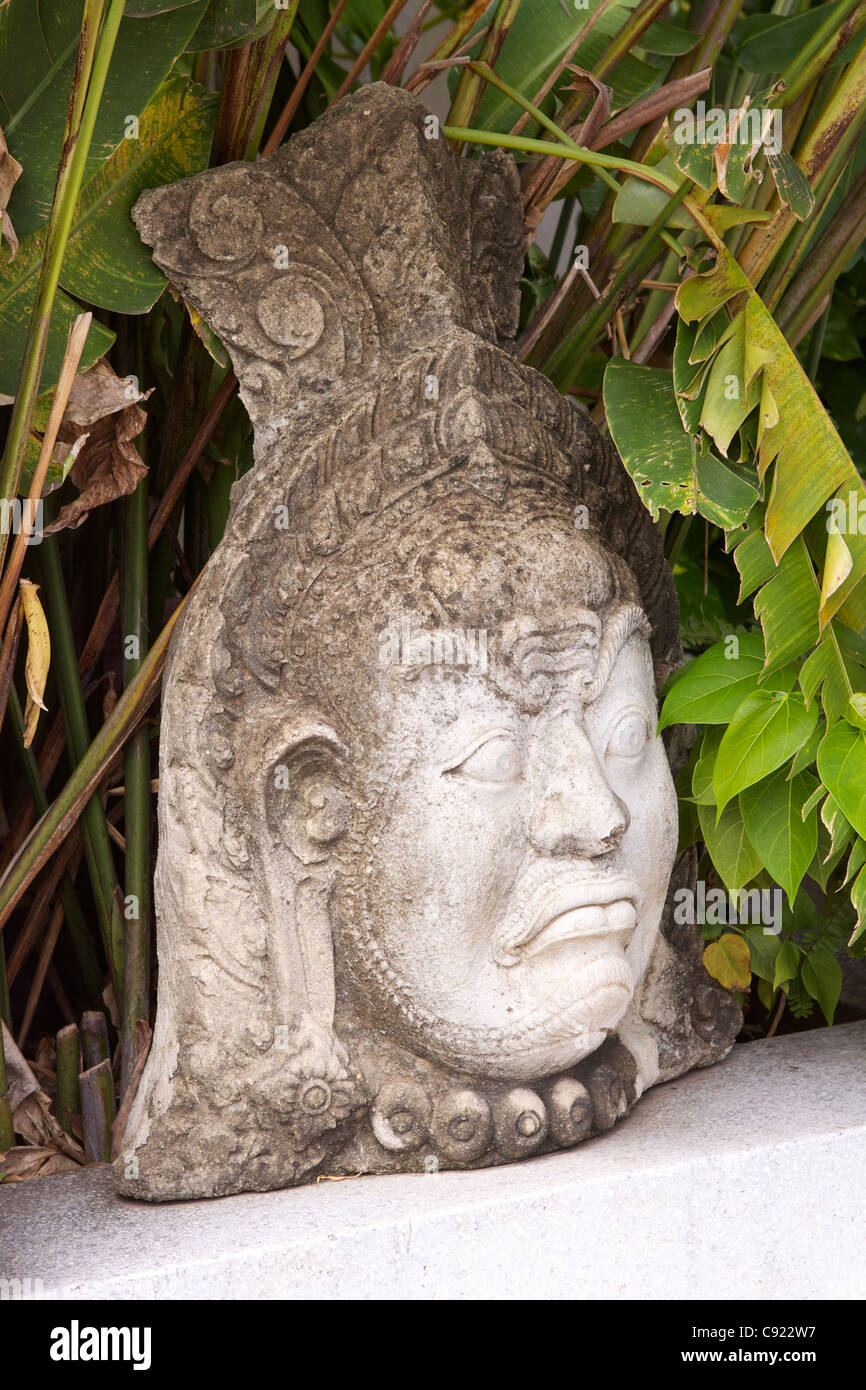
[707, 304]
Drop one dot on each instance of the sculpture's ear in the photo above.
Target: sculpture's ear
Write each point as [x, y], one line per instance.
[308, 795]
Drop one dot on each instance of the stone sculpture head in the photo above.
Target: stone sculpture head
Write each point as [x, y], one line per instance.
[416, 826]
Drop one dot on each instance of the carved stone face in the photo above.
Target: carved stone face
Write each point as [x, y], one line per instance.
[415, 827]
[512, 890]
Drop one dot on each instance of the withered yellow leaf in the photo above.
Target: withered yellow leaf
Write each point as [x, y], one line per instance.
[728, 961]
[38, 657]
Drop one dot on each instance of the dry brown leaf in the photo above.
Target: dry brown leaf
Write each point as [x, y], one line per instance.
[109, 699]
[542, 178]
[141, 1047]
[680, 92]
[10, 172]
[585, 82]
[45, 1056]
[34, 1122]
[110, 1002]
[21, 1082]
[30, 1106]
[101, 420]
[28, 1161]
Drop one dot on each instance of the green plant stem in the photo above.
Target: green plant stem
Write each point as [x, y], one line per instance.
[463, 26]
[91, 975]
[97, 844]
[369, 48]
[470, 88]
[798, 237]
[835, 33]
[135, 1001]
[66, 809]
[572, 353]
[278, 134]
[97, 1112]
[638, 22]
[453, 40]
[655, 301]
[716, 36]
[249, 78]
[7, 1132]
[68, 1067]
[595, 160]
[91, 69]
[714, 22]
[825, 263]
[822, 158]
[672, 244]
[483, 70]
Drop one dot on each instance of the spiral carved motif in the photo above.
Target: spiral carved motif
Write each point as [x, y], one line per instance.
[291, 316]
[227, 227]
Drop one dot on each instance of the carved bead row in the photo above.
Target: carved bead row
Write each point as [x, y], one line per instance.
[463, 1125]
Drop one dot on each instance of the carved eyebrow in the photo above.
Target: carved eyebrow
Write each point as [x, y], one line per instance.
[589, 643]
[620, 626]
[533, 651]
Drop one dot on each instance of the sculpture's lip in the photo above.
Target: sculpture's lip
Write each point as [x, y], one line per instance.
[581, 909]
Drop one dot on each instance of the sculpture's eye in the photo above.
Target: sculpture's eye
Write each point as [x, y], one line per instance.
[629, 735]
[495, 760]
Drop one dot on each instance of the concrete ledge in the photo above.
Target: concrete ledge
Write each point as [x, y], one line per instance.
[738, 1181]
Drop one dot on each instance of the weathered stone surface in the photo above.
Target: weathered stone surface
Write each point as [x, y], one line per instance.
[651, 1212]
[416, 830]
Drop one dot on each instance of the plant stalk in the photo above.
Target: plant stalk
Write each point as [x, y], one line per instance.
[91, 70]
[68, 1069]
[135, 1001]
[63, 813]
[470, 88]
[94, 1038]
[249, 78]
[91, 975]
[97, 844]
[97, 1112]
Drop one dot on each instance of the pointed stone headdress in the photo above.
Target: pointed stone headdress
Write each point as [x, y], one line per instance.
[365, 283]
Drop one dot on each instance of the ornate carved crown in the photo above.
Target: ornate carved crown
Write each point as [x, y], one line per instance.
[312, 279]
[366, 284]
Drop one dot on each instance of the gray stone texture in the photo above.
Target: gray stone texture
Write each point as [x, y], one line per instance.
[738, 1181]
[416, 830]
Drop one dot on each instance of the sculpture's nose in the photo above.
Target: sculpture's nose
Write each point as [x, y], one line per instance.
[574, 809]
